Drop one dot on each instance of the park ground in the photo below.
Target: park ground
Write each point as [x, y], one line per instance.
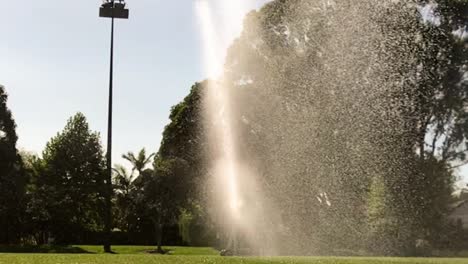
[181, 255]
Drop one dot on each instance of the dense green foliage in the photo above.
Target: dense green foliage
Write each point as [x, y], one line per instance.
[416, 203]
[128, 205]
[181, 158]
[69, 187]
[12, 178]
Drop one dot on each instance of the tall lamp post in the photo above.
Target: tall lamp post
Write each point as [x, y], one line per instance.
[110, 9]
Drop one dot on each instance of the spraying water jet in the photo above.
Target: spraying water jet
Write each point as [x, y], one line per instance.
[307, 120]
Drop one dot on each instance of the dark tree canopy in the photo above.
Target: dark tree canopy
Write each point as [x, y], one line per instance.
[177, 168]
[12, 180]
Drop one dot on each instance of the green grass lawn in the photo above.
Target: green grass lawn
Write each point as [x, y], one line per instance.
[178, 255]
[80, 249]
[157, 259]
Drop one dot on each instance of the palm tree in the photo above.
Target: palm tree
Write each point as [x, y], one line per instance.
[140, 161]
[122, 179]
[123, 182]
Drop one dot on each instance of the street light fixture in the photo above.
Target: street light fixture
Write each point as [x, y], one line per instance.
[110, 9]
[114, 9]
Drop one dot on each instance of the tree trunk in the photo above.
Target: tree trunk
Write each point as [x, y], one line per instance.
[422, 140]
[158, 227]
[422, 149]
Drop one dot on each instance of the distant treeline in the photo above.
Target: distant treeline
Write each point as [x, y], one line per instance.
[57, 197]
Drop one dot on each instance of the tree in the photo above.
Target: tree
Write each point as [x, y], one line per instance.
[123, 179]
[124, 188]
[37, 216]
[73, 181]
[12, 179]
[185, 141]
[347, 110]
[315, 112]
[140, 161]
[184, 136]
[443, 87]
[329, 97]
[437, 125]
[164, 194]
[170, 185]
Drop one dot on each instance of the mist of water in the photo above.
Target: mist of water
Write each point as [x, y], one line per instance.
[312, 139]
[232, 180]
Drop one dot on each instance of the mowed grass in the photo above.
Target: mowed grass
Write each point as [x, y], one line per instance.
[167, 259]
[179, 255]
[85, 249]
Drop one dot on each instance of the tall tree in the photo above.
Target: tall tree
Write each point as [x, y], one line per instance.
[443, 86]
[335, 107]
[164, 192]
[73, 179]
[315, 112]
[436, 114]
[184, 139]
[123, 179]
[124, 193]
[37, 214]
[139, 161]
[12, 180]
[178, 165]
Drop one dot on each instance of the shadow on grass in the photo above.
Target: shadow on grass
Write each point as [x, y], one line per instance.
[43, 249]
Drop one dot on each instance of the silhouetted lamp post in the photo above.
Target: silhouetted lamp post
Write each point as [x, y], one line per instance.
[110, 9]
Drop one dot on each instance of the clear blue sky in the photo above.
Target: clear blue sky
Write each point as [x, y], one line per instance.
[55, 58]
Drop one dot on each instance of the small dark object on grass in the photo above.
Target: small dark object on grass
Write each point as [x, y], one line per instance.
[158, 251]
[226, 253]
